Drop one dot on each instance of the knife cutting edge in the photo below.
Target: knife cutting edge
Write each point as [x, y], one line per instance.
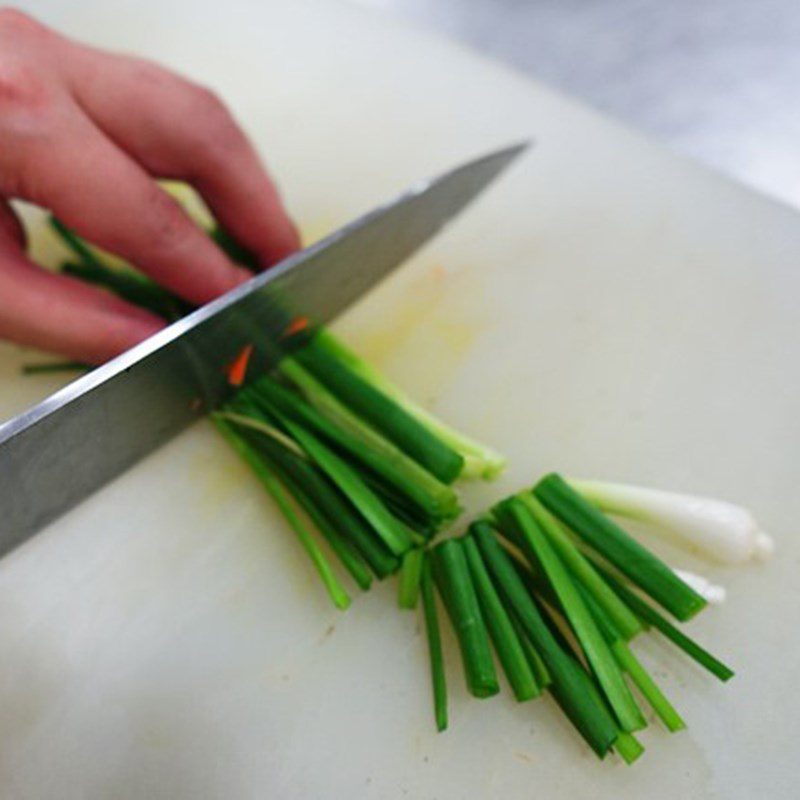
[65, 448]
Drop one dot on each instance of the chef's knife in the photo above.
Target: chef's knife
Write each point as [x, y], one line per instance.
[65, 448]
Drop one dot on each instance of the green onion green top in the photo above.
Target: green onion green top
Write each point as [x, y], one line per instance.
[513, 513]
[508, 646]
[383, 413]
[434, 497]
[453, 577]
[624, 552]
[571, 685]
[582, 570]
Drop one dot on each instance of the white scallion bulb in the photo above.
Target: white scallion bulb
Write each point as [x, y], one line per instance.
[721, 531]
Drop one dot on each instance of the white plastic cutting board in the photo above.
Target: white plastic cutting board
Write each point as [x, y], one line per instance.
[609, 310]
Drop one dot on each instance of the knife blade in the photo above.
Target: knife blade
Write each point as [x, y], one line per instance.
[64, 449]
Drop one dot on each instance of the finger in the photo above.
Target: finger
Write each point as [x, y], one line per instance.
[10, 225]
[181, 130]
[64, 315]
[95, 188]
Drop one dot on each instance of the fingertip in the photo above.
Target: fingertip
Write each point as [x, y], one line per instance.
[220, 282]
[121, 333]
[144, 325]
[283, 241]
[11, 226]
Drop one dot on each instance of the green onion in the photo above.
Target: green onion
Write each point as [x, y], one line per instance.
[582, 570]
[632, 666]
[434, 646]
[232, 248]
[437, 499]
[607, 538]
[337, 510]
[75, 243]
[479, 461]
[348, 553]
[648, 687]
[406, 512]
[509, 649]
[383, 413]
[336, 591]
[722, 531]
[130, 286]
[649, 615]
[410, 573]
[535, 662]
[393, 533]
[628, 746]
[244, 416]
[455, 585]
[54, 366]
[571, 686]
[513, 513]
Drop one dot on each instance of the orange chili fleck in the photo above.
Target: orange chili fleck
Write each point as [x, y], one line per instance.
[238, 368]
[297, 325]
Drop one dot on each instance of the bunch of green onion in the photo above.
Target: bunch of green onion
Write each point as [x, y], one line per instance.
[544, 584]
[558, 591]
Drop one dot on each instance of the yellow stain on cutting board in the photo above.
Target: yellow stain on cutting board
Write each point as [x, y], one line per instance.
[427, 327]
[440, 304]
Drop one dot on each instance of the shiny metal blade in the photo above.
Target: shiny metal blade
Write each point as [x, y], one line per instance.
[65, 448]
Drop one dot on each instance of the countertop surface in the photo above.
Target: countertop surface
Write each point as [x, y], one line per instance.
[718, 80]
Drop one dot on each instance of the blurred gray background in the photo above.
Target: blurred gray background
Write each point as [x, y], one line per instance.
[718, 80]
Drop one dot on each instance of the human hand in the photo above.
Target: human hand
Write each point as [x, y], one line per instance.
[85, 133]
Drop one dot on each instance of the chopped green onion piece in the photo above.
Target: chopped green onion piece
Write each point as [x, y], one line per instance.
[624, 552]
[628, 746]
[336, 591]
[571, 685]
[455, 585]
[633, 667]
[326, 496]
[434, 646]
[259, 423]
[408, 513]
[347, 552]
[582, 570]
[509, 649]
[480, 461]
[393, 533]
[605, 624]
[410, 573]
[647, 686]
[54, 366]
[363, 443]
[382, 412]
[649, 615]
[535, 662]
[514, 514]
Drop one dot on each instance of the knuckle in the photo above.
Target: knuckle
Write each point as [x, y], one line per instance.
[146, 73]
[21, 88]
[22, 71]
[205, 101]
[214, 129]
